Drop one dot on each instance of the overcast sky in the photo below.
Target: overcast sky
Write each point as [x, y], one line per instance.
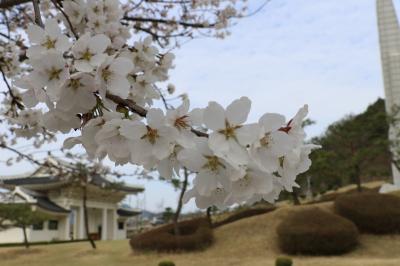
[323, 53]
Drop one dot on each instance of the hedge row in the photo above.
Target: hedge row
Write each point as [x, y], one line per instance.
[316, 232]
[195, 234]
[54, 242]
[334, 195]
[371, 212]
[244, 214]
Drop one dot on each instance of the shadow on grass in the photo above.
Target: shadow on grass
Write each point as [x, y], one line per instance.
[16, 253]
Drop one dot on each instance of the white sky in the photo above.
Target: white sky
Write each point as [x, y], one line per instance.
[323, 53]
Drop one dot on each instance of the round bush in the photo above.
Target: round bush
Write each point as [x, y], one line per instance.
[283, 261]
[194, 234]
[166, 263]
[316, 232]
[372, 213]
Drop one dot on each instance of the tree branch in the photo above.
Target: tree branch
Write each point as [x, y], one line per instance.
[29, 158]
[14, 99]
[38, 16]
[127, 103]
[132, 106]
[58, 7]
[10, 3]
[170, 22]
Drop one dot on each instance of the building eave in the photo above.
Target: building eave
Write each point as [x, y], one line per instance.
[122, 212]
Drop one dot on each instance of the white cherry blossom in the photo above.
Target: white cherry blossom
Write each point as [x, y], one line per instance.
[149, 141]
[31, 95]
[252, 183]
[89, 52]
[216, 198]
[230, 136]
[273, 142]
[112, 142]
[77, 94]
[181, 121]
[212, 171]
[91, 79]
[112, 76]
[170, 166]
[57, 120]
[75, 10]
[49, 74]
[50, 38]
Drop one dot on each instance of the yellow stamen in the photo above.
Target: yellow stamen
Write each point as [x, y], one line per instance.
[151, 135]
[54, 73]
[49, 43]
[229, 130]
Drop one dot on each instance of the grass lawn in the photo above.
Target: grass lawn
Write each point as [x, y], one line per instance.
[250, 241]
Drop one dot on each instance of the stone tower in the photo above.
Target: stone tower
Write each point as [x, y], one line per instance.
[389, 39]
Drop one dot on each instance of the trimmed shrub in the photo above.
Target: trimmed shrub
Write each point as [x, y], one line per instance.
[195, 234]
[244, 214]
[334, 195]
[316, 232]
[371, 212]
[283, 261]
[166, 263]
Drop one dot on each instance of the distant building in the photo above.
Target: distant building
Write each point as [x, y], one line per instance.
[389, 38]
[61, 199]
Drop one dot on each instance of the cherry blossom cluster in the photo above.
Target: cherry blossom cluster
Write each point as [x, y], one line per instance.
[9, 58]
[85, 76]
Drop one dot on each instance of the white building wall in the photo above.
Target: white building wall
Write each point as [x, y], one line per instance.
[95, 220]
[12, 235]
[15, 235]
[121, 234]
[45, 234]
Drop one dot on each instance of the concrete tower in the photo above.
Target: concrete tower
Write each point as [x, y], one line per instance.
[389, 38]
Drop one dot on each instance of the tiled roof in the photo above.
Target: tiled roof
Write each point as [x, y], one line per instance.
[95, 180]
[44, 202]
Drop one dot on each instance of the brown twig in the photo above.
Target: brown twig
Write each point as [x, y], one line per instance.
[132, 106]
[58, 7]
[14, 99]
[38, 16]
[29, 158]
[10, 3]
[169, 22]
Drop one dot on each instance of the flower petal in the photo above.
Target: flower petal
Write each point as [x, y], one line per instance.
[119, 85]
[218, 143]
[35, 34]
[272, 121]
[247, 134]
[99, 43]
[122, 66]
[214, 116]
[133, 130]
[52, 28]
[238, 111]
[155, 118]
[191, 159]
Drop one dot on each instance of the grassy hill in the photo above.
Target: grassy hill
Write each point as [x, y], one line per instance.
[250, 241]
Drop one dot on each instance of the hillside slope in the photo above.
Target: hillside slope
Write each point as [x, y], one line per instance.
[250, 241]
